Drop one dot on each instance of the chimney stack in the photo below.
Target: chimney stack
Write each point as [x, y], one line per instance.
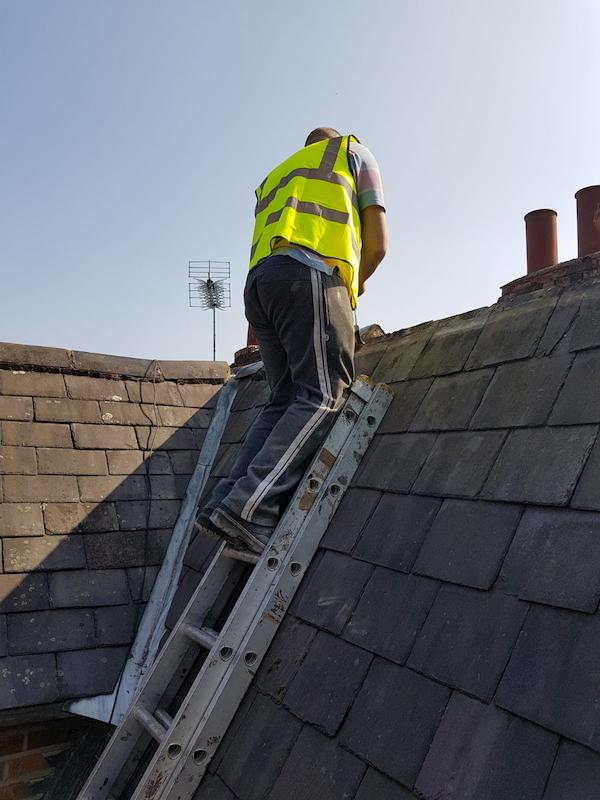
[542, 244]
[588, 220]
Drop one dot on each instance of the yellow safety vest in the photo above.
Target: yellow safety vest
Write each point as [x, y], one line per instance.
[310, 200]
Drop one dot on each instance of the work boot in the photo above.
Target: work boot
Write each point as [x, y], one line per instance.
[239, 532]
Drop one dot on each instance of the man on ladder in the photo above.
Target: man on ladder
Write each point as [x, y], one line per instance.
[320, 233]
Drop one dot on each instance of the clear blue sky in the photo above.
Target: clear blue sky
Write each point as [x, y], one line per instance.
[133, 133]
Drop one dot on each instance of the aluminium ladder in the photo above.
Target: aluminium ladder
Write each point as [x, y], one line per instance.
[169, 734]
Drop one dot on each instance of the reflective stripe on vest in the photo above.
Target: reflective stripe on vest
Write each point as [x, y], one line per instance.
[310, 200]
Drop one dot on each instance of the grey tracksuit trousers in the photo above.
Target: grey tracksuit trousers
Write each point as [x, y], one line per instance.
[302, 321]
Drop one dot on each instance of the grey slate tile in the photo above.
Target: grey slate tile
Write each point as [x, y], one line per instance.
[393, 461]
[407, 399]
[200, 551]
[3, 636]
[401, 355]
[575, 775]
[390, 613]
[459, 463]
[579, 400]
[393, 720]
[511, 332]
[368, 357]
[450, 345]
[522, 393]
[451, 401]
[86, 672]
[27, 680]
[115, 624]
[284, 656]
[50, 631]
[24, 592]
[213, 788]
[377, 787]
[467, 639]
[326, 682]
[586, 493]
[258, 750]
[317, 768]
[396, 530]
[554, 559]
[88, 588]
[330, 591]
[468, 541]
[552, 677]
[556, 334]
[586, 331]
[540, 465]
[354, 511]
[482, 753]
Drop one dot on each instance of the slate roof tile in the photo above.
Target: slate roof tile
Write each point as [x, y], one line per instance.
[451, 401]
[552, 677]
[586, 493]
[393, 720]
[377, 787]
[579, 400]
[284, 656]
[481, 753]
[354, 511]
[390, 613]
[317, 768]
[459, 463]
[450, 345]
[396, 530]
[467, 639]
[407, 399]
[575, 775]
[24, 592]
[586, 331]
[86, 672]
[522, 393]
[50, 631]
[402, 354]
[555, 336]
[326, 682]
[393, 461]
[468, 541]
[540, 465]
[368, 357]
[213, 788]
[27, 680]
[330, 591]
[115, 624]
[554, 559]
[88, 588]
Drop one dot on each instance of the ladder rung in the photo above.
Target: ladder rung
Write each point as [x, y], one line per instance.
[241, 555]
[154, 728]
[164, 718]
[202, 636]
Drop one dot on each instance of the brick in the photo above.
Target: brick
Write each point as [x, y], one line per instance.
[393, 719]
[586, 494]
[390, 613]
[16, 408]
[93, 587]
[511, 332]
[326, 683]
[522, 393]
[21, 519]
[585, 331]
[318, 768]
[62, 410]
[198, 395]
[169, 438]
[53, 461]
[112, 550]
[115, 624]
[17, 460]
[114, 487]
[284, 656]
[50, 631]
[481, 752]
[24, 592]
[401, 355]
[393, 461]
[133, 515]
[377, 787]
[261, 747]
[459, 463]
[353, 513]
[36, 434]
[184, 462]
[407, 399]
[553, 559]
[467, 542]
[330, 591]
[126, 462]
[451, 401]
[213, 788]
[89, 672]
[80, 517]
[176, 416]
[31, 384]
[104, 437]
[450, 345]
[41, 488]
[166, 393]
[579, 400]
[552, 677]
[575, 774]
[82, 387]
[43, 553]
[27, 680]
[396, 531]
[540, 465]
[128, 414]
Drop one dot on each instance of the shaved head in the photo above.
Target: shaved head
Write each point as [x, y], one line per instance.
[321, 133]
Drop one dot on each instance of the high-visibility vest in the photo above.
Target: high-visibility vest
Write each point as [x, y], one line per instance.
[310, 200]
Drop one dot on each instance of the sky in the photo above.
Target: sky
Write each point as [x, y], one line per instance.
[134, 132]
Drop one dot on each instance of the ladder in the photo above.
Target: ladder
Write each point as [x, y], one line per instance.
[169, 734]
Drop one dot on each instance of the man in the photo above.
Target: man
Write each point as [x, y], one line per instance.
[320, 233]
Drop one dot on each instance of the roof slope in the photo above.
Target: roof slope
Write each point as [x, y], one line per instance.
[446, 639]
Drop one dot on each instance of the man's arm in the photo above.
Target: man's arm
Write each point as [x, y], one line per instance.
[374, 242]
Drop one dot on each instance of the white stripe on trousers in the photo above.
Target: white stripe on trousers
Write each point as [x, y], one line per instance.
[320, 348]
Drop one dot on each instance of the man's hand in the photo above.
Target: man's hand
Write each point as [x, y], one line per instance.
[374, 242]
